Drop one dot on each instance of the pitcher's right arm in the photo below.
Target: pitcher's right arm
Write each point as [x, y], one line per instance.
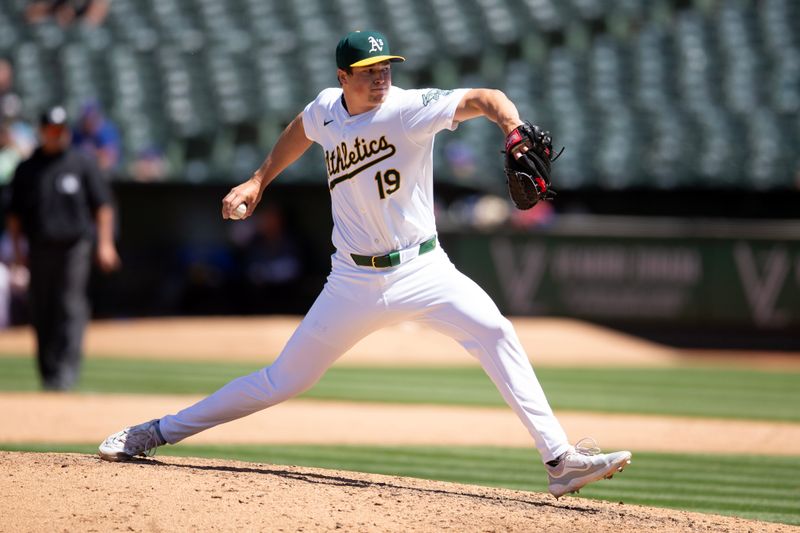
[291, 144]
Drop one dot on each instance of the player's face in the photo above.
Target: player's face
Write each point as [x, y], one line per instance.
[367, 87]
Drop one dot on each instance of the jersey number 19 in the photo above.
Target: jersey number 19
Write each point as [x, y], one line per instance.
[388, 182]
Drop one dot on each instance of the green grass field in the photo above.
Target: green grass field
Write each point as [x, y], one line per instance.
[703, 392]
[764, 487]
[761, 488]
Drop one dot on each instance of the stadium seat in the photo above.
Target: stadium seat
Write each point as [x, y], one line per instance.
[544, 14]
[84, 76]
[10, 32]
[768, 159]
[498, 18]
[630, 87]
[34, 77]
[410, 31]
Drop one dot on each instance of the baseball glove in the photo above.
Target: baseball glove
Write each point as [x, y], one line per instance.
[528, 172]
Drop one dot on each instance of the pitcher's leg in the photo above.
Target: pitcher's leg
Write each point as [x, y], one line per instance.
[331, 327]
[503, 358]
[467, 314]
[303, 361]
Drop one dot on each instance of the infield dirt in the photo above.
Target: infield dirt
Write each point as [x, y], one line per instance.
[69, 492]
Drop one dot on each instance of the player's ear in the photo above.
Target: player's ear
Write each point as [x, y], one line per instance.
[341, 75]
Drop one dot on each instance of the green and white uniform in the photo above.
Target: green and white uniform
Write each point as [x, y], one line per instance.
[380, 176]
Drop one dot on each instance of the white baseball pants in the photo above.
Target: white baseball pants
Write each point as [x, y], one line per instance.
[357, 301]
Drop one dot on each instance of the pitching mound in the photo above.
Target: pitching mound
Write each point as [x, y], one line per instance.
[55, 492]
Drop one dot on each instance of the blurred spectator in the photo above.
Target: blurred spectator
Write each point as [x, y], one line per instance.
[150, 165]
[17, 138]
[22, 136]
[60, 203]
[10, 155]
[65, 12]
[9, 100]
[14, 280]
[272, 262]
[202, 278]
[5, 296]
[460, 157]
[480, 211]
[542, 214]
[96, 135]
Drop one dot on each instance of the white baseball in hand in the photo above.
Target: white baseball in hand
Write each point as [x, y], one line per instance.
[239, 213]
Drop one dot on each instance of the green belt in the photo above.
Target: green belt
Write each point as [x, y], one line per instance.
[392, 258]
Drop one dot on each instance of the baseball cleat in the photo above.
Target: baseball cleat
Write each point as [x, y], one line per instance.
[132, 441]
[582, 465]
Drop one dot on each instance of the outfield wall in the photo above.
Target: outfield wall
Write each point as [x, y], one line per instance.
[635, 270]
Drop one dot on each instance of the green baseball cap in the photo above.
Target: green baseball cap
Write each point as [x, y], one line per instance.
[363, 48]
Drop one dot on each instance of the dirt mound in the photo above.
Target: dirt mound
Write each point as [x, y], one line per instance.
[55, 492]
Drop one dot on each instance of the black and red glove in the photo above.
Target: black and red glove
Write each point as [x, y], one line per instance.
[529, 152]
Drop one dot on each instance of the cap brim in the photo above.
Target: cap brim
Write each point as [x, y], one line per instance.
[376, 59]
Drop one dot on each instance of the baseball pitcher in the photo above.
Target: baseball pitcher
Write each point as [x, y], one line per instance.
[388, 266]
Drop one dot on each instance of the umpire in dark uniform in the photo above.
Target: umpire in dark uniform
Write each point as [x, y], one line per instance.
[63, 205]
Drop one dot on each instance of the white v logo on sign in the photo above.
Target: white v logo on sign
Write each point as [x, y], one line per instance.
[520, 282]
[762, 292]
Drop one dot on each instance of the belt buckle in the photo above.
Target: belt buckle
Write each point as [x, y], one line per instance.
[373, 262]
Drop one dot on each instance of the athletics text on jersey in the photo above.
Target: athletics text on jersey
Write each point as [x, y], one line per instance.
[380, 165]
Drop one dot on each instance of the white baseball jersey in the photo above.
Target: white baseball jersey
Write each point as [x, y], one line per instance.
[380, 165]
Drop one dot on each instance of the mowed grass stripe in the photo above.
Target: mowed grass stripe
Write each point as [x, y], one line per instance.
[703, 488]
[741, 504]
[755, 483]
[130, 376]
[704, 392]
[747, 465]
[697, 392]
[642, 483]
[755, 475]
[694, 498]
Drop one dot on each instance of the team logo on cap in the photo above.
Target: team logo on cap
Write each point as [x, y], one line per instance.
[377, 44]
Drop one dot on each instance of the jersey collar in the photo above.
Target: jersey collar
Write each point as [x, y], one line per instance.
[348, 118]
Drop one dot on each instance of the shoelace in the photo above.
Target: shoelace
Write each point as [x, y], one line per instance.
[150, 444]
[587, 446]
[151, 452]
